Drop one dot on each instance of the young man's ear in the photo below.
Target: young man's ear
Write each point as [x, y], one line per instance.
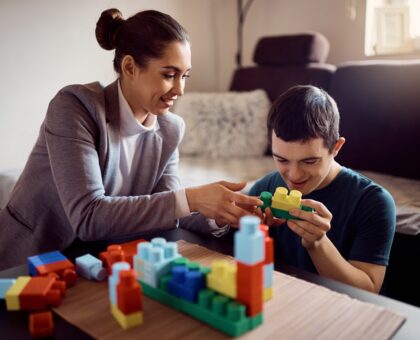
[338, 145]
[128, 66]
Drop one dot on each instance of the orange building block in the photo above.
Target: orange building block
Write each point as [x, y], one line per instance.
[39, 293]
[268, 245]
[41, 324]
[123, 252]
[129, 293]
[113, 254]
[64, 269]
[249, 285]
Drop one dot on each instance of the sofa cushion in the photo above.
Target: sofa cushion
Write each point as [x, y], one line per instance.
[379, 103]
[292, 49]
[225, 124]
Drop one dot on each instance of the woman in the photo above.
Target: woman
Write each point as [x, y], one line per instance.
[105, 164]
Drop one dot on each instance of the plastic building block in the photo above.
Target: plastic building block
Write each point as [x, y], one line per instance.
[113, 254]
[128, 307]
[186, 283]
[249, 241]
[32, 293]
[282, 202]
[249, 283]
[123, 252]
[267, 294]
[39, 293]
[127, 321]
[90, 268]
[129, 299]
[53, 262]
[215, 310]
[41, 324]
[207, 293]
[5, 284]
[130, 249]
[12, 295]
[114, 279]
[268, 275]
[222, 278]
[153, 260]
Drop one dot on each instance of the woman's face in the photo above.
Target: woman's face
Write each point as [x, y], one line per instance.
[154, 88]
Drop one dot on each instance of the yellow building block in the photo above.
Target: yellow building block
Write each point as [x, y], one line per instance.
[127, 320]
[222, 278]
[267, 294]
[12, 294]
[283, 201]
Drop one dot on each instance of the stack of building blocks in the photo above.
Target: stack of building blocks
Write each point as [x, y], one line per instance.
[123, 252]
[35, 293]
[153, 260]
[227, 296]
[41, 324]
[268, 264]
[125, 296]
[53, 262]
[282, 201]
[90, 268]
[249, 251]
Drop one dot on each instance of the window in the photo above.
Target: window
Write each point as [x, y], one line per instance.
[392, 26]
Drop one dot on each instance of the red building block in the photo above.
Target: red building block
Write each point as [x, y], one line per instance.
[41, 324]
[64, 269]
[249, 285]
[129, 294]
[113, 254]
[40, 292]
[268, 245]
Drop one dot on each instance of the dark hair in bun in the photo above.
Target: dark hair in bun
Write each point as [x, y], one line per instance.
[144, 36]
[107, 26]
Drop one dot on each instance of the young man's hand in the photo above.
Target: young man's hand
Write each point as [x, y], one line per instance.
[268, 218]
[313, 226]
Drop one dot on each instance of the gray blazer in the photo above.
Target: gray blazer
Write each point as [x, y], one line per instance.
[64, 189]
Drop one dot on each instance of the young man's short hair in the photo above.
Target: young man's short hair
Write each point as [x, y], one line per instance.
[304, 112]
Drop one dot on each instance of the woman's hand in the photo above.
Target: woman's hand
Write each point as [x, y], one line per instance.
[221, 202]
[313, 226]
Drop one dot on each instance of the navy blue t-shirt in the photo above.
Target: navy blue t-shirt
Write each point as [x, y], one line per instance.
[362, 227]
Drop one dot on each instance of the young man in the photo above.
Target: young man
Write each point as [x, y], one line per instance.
[348, 238]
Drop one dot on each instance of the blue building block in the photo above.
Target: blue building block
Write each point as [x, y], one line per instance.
[268, 275]
[186, 283]
[5, 284]
[114, 279]
[42, 259]
[249, 241]
[90, 268]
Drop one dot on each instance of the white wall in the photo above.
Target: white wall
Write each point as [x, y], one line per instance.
[47, 44]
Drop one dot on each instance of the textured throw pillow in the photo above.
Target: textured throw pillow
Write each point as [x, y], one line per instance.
[225, 124]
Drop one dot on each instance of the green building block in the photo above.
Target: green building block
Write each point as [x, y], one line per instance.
[218, 311]
[266, 197]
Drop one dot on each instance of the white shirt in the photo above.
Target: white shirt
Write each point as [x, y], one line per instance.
[132, 133]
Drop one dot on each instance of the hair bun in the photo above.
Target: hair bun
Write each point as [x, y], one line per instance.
[107, 28]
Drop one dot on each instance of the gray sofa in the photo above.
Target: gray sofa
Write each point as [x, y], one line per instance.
[379, 102]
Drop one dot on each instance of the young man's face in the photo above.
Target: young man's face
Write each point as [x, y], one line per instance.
[305, 166]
